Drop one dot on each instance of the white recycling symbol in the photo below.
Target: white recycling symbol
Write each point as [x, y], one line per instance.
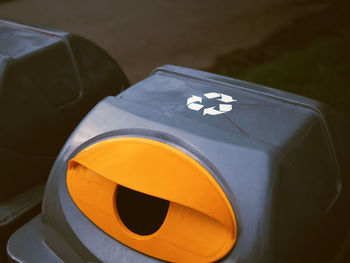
[194, 103]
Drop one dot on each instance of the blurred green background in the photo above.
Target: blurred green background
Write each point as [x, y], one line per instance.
[311, 57]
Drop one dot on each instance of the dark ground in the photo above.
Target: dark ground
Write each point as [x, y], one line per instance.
[310, 57]
[142, 35]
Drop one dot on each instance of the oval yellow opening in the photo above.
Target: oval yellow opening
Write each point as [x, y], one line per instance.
[153, 198]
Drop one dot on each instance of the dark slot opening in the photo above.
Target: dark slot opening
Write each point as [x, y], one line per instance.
[142, 214]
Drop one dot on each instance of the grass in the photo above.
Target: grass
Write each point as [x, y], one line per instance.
[319, 70]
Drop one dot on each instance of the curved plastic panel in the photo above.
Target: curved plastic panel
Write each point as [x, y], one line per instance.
[200, 225]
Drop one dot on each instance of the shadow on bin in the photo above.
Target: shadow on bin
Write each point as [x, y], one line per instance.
[187, 166]
[49, 80]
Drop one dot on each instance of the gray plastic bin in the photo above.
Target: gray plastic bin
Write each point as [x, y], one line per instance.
[280, 159]
[49, 80]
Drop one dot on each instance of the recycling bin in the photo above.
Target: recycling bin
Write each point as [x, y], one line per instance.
[49, 80]
[188, 166]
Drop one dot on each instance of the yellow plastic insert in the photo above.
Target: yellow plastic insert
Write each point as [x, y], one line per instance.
[200, 224]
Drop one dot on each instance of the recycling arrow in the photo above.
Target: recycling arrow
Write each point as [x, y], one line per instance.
[194, 99]
[225, 107]
[212, 95]
[223, 97]
[195, 106]
[226, 98]
[194, 103]
[211, 111]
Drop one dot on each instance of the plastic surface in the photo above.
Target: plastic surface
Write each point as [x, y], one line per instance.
[198, 227]
[34, 250]
[282, 161]
[16, 211]
[49, 80]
